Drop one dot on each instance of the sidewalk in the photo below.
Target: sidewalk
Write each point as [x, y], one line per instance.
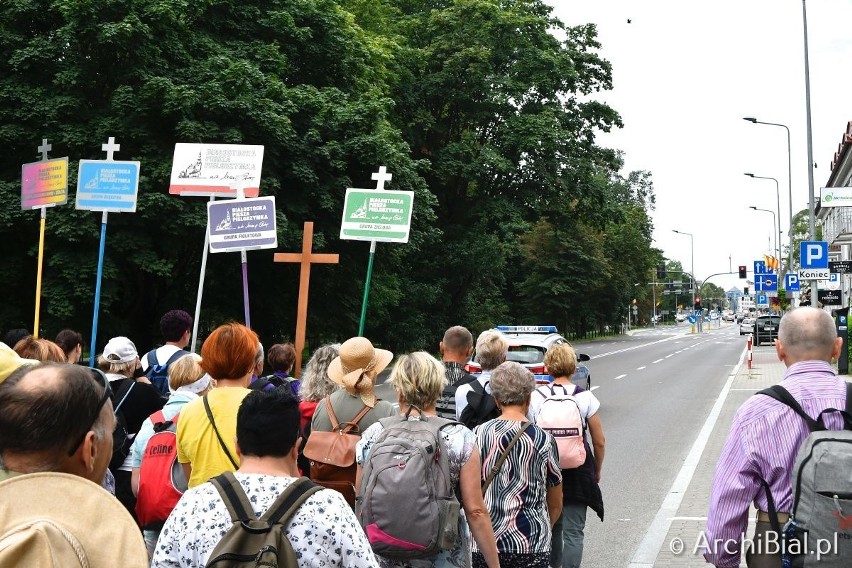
[689, 522]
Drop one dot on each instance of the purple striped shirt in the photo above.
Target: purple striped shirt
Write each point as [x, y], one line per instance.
[763, 442]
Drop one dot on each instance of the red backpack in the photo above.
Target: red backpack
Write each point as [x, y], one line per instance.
[161, 477]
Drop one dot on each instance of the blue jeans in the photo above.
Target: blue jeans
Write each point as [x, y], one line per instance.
[566, 544]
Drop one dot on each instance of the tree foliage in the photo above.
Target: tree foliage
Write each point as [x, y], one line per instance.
[486, 109]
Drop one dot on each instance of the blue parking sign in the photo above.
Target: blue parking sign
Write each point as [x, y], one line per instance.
[791, 282]
[813, 254]
[762, 300]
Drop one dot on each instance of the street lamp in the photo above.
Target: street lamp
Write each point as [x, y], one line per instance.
[789, 184]
[778, 204]
[773, 218]
[692, 261]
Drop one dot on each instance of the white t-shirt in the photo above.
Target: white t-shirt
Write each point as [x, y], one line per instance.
[323, 531]
[461, 392]
[163, 355]
[586, 401]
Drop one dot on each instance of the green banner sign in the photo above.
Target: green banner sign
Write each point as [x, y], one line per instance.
[373, 215]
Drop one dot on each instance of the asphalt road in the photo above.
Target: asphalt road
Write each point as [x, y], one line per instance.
[656, 390]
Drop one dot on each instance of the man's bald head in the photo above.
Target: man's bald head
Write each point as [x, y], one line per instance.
[46, 410]
[807, 334]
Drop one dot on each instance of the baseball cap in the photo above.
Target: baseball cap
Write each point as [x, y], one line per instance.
[120, 350]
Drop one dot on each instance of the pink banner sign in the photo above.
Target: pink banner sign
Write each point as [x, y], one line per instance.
[44, 184]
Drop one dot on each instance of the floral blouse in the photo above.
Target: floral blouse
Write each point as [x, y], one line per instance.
[323, 531]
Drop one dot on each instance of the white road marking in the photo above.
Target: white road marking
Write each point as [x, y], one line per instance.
[640, 368]
[657, 361]
[620, 377]
[669, 355]
[594, 387]
[646, 553]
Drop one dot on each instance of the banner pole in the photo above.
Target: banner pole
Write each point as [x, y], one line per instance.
[197, 315]
[244, 261]
[367, 289]
[39, 269]
[98, 289]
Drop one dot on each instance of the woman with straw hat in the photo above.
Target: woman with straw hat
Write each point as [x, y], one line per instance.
[355, 369]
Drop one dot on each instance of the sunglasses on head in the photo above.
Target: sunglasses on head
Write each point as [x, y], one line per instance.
[99, 377]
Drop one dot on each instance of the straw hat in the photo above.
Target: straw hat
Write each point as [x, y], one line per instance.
[42, 524]
[356, 367]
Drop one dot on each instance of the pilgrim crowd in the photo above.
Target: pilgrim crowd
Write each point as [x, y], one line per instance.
[80, 446]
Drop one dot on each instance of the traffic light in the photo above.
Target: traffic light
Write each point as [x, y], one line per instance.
[697, 303]
[745, 290]
[743, 271]
[661, 271]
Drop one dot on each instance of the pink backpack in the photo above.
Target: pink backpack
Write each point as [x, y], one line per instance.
[560, 415]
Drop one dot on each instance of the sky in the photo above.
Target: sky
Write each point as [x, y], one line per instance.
[684, 75]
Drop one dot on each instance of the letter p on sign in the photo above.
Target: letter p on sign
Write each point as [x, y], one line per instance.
[814, 254]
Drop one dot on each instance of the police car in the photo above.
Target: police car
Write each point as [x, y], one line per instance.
[527, 346]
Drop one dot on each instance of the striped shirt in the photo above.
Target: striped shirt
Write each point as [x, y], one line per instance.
[517, 498]
[763, 442]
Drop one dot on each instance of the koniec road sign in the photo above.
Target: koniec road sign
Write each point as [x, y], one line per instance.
[814, 274]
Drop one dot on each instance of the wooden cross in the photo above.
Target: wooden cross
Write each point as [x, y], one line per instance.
[305, 258]
[110, 148]
[45, 148]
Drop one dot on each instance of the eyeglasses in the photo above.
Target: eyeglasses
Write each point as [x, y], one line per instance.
[102, 380]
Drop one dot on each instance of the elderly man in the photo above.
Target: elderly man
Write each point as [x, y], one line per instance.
[491, 351]
[55, 444]
[765, 437]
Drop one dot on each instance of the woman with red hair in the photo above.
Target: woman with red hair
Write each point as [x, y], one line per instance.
[208, 425]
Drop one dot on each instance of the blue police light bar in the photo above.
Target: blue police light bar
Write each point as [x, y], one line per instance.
[527, 328]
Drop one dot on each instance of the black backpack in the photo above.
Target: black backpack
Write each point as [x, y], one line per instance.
[121, 442]
[262, 382]
[257, 542]
[481, 406]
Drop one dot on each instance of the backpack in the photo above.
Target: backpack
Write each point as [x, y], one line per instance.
[822, 489]
[159, 374]
[446, 405]
[257, 542]
[560, 415]
[332, 454]
[262, 382]
[122, 441]
[481, 406]
[162, 480]
[406, 503]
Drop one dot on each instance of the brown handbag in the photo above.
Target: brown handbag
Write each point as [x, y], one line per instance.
[332, 454]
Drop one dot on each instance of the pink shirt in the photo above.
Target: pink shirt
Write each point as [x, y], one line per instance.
[763, 442]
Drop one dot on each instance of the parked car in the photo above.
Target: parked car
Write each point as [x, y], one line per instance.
[747, 326]
[766, 329]
[527, 346]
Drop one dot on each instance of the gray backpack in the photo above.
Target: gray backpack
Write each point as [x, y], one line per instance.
[406, 502]
[820, 526]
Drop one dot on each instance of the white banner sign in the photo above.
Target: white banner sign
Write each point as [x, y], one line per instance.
[835, 196]
[216, 169]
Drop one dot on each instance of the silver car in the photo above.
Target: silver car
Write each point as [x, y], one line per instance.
[527, 346]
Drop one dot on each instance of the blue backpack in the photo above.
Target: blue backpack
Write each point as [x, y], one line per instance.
[159, 374]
